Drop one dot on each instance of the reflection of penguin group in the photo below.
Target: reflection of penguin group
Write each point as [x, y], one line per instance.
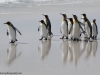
[72, 28]
[73, 50]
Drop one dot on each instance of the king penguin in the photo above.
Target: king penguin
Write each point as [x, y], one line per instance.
[84, 16]
[48, 23]
[94, 29]
[11, 31]
[43, 28]
[87, 28]
[75, 28]
[64, 27]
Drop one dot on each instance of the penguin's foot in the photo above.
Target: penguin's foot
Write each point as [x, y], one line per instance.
[16, 40]
[12, 42]
[62, 37]
[66, 37]
[74, 39]
[45, 38]
[71, 38]
[41, 38]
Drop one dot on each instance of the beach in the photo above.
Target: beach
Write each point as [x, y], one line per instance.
[29, 56]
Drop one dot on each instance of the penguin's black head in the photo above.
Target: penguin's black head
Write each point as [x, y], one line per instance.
[94, 20]
[42, 21]
[46, 16]
[70, 19]
[64, 15]
[8, 23]
[84, 15]
[74, 16]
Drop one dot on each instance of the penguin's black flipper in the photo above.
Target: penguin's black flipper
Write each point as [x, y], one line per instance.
[7, 33]
[18, 31]
[81, 23]
[38, 28]
[96, 28]
[71, 29]
[90, 28]
[82, 28]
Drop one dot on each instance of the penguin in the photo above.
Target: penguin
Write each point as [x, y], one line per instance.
[89, 24]
[87, 28]
[48, 23]
[94, 29]
[75, 28]
[11, 31]
[43, 28]
[70, 24]
[76, 22]
[64, 27]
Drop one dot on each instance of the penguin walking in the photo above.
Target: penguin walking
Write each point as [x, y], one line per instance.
[70, 24]
[11, 31]
[43, 28]
[64, 27]
[75, 29]
[87, 28]
[89, 24]
[48, 23]
[94, 29]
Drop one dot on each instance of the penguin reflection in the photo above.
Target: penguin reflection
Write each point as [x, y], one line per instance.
[11, 52]
[88, 49]
[64, 48]
[94, 47]
[44, 48]
[75, 46]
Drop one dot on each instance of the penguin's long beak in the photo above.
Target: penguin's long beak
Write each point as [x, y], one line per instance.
[82, 18]
[5, 23]
[43, 14]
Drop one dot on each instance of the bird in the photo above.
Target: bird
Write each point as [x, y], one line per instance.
[87, 28]
[75, 28]
[48, 23]
[64, 27]
[11, 31]
[70, 24]
[43, 28]
[94, 29]
[89, 24]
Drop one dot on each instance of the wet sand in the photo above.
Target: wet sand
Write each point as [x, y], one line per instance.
[52, 57]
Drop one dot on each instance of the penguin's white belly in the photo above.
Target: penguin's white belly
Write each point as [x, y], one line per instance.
[12, 34]
[94, 33]
[43, 31]
[64, 29]
[76, 31]
[87, 29]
